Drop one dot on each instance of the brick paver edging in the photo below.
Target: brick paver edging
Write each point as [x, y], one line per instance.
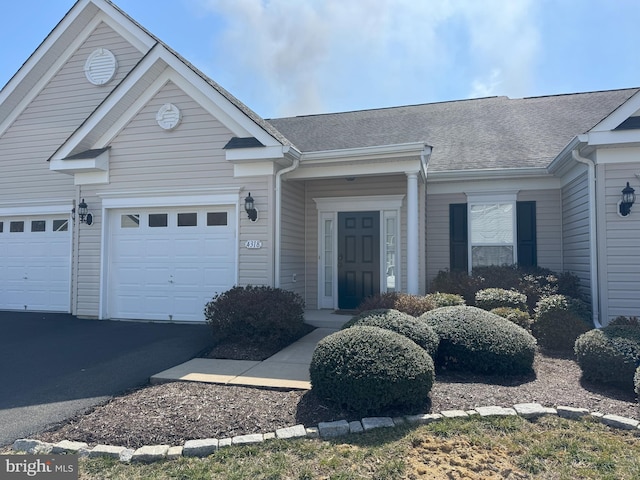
[324, 430]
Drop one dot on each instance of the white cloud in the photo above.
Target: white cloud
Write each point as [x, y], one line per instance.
[309, 56]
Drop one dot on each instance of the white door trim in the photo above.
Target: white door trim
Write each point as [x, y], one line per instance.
[328, 209]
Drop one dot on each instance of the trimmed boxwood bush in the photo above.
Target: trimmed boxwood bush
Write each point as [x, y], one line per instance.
[610, 355]
[414, 305]
[534, 282]
[256, 314]
[439, 299]
[636, 382]
[491, 298]
[559, 321]
[368, 370]
[472, 339]
[401, 323]
[520, 318]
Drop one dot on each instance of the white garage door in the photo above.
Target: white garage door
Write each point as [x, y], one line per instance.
[166, 264]
[35, 263]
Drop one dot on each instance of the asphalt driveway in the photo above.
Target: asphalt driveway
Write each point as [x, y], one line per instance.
[55, 365]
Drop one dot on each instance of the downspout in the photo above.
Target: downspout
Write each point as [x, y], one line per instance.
[278, 206]
[593, 237]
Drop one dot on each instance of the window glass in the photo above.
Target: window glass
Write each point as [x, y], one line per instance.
[492, 234]
[328, 257]
[158, 219]
[1, 227]
[390, 253]
[187, 219]
[16, 227]
[60, 225]
[130, 221]
[491, 224]
[216, 219]
[38, 225]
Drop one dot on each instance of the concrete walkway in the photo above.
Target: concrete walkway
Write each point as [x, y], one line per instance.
[289, 368]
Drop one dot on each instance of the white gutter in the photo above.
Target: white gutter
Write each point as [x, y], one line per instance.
[278, 208]
[593, 237]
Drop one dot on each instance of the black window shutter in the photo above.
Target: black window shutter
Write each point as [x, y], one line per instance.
[458, 242]
[526, 220]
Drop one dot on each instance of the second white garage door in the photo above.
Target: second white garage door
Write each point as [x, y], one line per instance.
[166, 264]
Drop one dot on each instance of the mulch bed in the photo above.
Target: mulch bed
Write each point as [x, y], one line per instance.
[175, 412]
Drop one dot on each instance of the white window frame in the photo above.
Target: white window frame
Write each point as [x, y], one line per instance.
[491, 199]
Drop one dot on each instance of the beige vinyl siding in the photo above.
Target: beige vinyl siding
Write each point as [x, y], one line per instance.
[622, 249]
[256, 266]
[87, 269]
[292, 248]
[575, 230]
[339, 187]
[548, 226]
[145, 158]
[50, 119]
[438, 231]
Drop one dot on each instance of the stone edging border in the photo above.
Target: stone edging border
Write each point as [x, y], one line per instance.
[324, 430]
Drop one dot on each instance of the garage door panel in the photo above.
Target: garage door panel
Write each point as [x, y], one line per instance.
[172, 270]
[35, 263]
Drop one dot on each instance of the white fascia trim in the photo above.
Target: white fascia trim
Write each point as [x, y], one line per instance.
[491, 186]
[185, 79]
[362, 204]
[365, 153]
[624, 111]
[564, 158]
[489, 173]
[124, 27]
[490, 198]
[351, 169]
[167, 198]
[257, 153]
[38, 208]
[613, 138]
[135, 36]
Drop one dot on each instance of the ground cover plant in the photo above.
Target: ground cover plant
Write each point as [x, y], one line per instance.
[610, 355]
[472, 339]
[367, 370]
[256, 315]
[401, 323]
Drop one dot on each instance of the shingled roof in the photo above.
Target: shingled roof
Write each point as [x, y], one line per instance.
[485, 133]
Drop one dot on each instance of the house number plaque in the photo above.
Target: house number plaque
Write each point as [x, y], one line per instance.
[253, 244]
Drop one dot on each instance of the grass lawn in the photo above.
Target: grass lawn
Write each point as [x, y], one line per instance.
[507, 447]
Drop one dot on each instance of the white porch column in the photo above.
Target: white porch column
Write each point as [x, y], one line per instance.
[413, 237]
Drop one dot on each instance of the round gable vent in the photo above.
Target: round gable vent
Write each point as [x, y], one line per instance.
[169, 116]
[100, 67]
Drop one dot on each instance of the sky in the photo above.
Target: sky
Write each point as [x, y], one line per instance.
[300, 57]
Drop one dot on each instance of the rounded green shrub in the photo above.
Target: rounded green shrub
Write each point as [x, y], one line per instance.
[472, 339]
[559, 320]
[491, 298]
[414, 305]
[368, 370]
[520, 318]
[609, 355]
[256, 314]
[439, 299]
[636, 382]
[401, 323]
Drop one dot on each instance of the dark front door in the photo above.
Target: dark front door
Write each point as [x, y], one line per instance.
[358, 257]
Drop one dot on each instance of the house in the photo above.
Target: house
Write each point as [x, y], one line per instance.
[135, 187]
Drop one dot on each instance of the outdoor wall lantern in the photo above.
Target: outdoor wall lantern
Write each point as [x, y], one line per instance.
[250, 208]
[627, 200]
[83, 213]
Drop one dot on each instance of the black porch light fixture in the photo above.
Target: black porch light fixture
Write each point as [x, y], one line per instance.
[249, 207]
[83, 213]
[627, 200]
